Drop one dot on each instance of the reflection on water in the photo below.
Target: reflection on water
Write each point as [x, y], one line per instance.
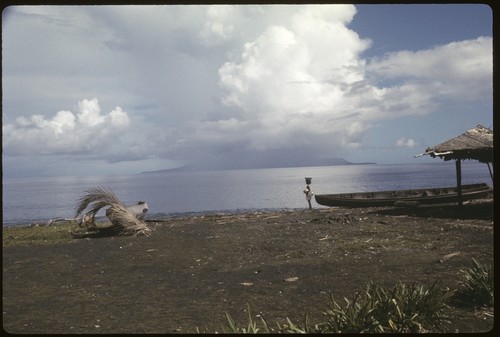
[27, 200]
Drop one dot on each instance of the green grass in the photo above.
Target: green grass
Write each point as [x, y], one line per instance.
[59, 232]
[36, 234]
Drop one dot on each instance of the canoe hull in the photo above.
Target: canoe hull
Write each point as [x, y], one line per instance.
[411, 197]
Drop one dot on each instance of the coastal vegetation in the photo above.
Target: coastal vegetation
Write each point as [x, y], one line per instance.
[38, 234]
[476, 285]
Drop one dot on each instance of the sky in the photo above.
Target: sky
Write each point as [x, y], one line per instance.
[100, 90]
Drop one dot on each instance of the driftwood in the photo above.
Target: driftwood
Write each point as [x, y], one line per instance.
[124, 220]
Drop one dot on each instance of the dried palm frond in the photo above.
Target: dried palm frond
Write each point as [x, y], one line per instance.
[100, 196]
[124, 222]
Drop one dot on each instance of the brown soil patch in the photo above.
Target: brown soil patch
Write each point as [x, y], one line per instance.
[193, 270]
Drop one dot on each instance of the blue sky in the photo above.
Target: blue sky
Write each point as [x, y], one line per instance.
[90, 90]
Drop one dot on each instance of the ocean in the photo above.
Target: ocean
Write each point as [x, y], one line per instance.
[169, 194]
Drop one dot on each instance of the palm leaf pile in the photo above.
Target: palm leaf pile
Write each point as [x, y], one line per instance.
[123, 220]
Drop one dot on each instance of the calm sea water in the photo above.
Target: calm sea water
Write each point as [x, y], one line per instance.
[28, 200]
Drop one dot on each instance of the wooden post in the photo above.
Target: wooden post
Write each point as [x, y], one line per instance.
[459, 181]
[491, 174]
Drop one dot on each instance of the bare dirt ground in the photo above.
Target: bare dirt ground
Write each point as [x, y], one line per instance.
[192, 271]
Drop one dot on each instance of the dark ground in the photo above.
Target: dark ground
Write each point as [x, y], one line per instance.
[193, 270]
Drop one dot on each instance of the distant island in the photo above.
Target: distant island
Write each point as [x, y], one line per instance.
[318, 162]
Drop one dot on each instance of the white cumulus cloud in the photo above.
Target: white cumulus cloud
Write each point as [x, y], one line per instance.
[456, 70]
[218, 26]
[293, 78]
[404, 142]
[308, 77]
[85, 131]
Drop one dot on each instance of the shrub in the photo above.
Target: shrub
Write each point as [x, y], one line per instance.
[476, 286]
[405, 308]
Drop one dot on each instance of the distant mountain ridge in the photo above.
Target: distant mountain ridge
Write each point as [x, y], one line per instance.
[298, 163]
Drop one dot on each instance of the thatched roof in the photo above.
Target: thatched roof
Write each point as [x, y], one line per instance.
[476, 143]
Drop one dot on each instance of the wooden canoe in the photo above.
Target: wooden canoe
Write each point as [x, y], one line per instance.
[437, 195]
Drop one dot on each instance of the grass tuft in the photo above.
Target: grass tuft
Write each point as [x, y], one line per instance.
[476, 285]
[404, 308]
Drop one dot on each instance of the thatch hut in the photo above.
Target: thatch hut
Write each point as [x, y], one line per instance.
[474, 144]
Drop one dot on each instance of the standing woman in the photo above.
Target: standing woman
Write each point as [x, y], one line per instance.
[308, 192]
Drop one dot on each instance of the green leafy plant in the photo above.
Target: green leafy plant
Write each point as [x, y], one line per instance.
[405, 308]
[476, 285]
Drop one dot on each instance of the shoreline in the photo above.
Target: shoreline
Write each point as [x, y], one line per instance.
[255, 189]
[191, 271]
[159, 216]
